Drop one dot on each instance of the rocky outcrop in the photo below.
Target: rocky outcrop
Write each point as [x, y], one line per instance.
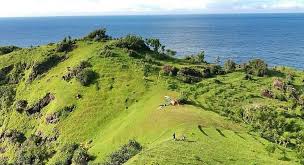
[52, 118]
[55, 117]
[36, 108]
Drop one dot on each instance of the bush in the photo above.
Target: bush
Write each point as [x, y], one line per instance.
[66, 45]
[169, 70]
[98, 35]
[86, 76]
[189, 75]
[229, 66]
[80, 157]
[132, 42]
[154, 44]
[7, 96]
[21, 105]
[216, 70]
[270, 148]
[196, 59]
[31, 153]
[8, 49]
[170, 52]
[126, 152]
[256, 67]
[183, 98]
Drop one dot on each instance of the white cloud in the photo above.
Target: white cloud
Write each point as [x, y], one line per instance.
[10, 8]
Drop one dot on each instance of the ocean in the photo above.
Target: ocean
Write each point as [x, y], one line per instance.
[276, 38]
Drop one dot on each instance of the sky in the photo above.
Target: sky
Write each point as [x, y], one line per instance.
[24, 8]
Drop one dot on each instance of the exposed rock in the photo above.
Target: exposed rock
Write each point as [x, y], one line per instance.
[52, 119]
[41, 104]
[55, 117]
[72, 72]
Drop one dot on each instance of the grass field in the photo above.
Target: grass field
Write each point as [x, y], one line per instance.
[123, 104]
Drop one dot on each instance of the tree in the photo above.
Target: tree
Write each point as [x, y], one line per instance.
[154, 43]
[256, 67]
[229, 66]
[86, 76]
[98, 35]
[201, 56]
[170, 52]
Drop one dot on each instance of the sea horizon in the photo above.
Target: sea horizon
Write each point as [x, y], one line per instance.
[274, 37]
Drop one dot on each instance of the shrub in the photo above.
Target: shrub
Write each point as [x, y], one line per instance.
[170, 70]
[189, 75]
[17, 73]
[154, 44]
[98, 35]
[256, 67]
[172, 85]
[270, 148]
[15, 136]
[132, 42]
[229, 66]
[196, 59]
[31, 153]
[216, 70]
[7, 96]
[133, 53]
[126, 152]
[170, 52]
[66, 154]
[86, 76]
[65, 45]
[107, 53]
[80, 157]
[21, 105]
[183, 98]
[8, 49]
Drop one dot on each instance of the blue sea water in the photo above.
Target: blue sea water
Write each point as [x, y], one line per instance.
[276, 38]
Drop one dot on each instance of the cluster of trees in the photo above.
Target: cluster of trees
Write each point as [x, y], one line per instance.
[8, 49]
[66, 45]
[98, 35]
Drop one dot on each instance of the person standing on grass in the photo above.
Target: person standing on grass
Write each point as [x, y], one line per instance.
[174, 138]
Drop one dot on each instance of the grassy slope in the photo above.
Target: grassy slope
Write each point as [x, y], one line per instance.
[110, 117]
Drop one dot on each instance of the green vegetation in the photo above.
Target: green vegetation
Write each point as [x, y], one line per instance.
[8, 49]
[81, 101]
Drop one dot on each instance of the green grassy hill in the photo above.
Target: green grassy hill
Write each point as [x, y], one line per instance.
[53, 112]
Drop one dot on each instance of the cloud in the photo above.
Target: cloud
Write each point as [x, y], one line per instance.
[11, 8]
